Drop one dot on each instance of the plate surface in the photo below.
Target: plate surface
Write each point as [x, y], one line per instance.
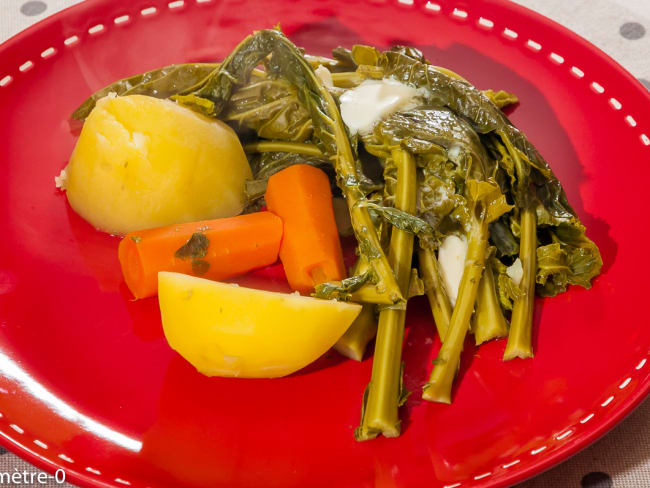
[87, 381]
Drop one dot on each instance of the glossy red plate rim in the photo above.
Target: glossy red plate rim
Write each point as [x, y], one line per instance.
[594, 57]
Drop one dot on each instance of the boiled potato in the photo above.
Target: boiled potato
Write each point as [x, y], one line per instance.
[229, 330]
[141, 162]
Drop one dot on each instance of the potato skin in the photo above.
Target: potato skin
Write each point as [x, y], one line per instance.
[142, 162]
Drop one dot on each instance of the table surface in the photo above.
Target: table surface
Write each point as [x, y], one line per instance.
[619, 27]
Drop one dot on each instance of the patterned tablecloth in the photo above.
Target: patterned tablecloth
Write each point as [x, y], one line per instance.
[619, 27]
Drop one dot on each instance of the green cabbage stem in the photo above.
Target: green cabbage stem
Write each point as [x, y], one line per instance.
[355, 340]
[435, 290]
[438, 389]
[489, 322]
[283, 146]
[384, 394]
[519, 339]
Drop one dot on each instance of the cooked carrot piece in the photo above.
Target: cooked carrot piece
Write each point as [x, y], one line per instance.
[214, 249]
[311, 250]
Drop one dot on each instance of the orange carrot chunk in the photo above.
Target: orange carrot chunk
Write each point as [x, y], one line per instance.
[311, 250]
[214, 249]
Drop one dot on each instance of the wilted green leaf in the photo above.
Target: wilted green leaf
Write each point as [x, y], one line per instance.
[501, 98]
[159, 83]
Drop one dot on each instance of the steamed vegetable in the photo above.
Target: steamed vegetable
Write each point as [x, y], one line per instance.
[271, 107]
[329, 131]
[533, 187]
[216, 249]
[311, 250]
[501, 98]
[519, 339]
[454, 164]
[230, 330]
[353, 343]
[160, 83]
[435, 289]
[141, 162]
[486, 203]
[268, 158]
[489, 322]
[445, 165]
[385, 393]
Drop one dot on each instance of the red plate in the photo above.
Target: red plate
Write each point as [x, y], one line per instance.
[88, 382]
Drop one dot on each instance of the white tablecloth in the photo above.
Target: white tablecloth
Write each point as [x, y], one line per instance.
[620, 28]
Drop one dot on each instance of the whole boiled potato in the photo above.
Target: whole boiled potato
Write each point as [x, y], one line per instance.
[141, 162]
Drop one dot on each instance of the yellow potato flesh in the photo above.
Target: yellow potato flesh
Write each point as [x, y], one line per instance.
[141, 162]
[228, 330]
